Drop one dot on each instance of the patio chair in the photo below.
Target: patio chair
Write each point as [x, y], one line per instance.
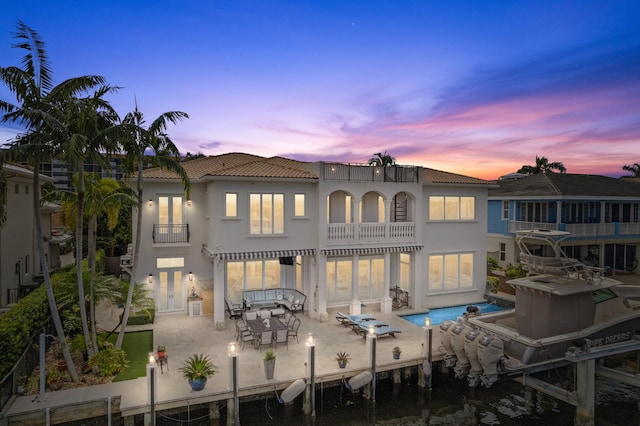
[247, 338]
[293, 331]
[292, 319]
[235, 310]
[385, 331]
[282, 336]
[264, 338]
[241, 329]
[350, 320]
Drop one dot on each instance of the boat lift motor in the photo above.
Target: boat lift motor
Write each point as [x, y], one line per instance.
[458, 333]
[490, 352]
[445, 338]
[470, 348]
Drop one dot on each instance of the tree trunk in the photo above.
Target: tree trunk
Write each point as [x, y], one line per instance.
[79, 252]
[53, 307]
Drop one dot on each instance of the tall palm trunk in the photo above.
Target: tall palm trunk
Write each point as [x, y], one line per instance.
[136, 255]
[79, 252]
[53, 307]
[91, 257]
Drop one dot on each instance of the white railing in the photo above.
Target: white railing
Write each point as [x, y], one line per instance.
[590, 229]
[629, 228]
[340, 233]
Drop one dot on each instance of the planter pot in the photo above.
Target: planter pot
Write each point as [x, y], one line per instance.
[396, 356]
[342, 364]
[197, 384]
[62, 366]
[269, 367]
[55, 384]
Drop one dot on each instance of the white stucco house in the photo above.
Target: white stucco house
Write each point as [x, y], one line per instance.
[20, 269]
[342, 234]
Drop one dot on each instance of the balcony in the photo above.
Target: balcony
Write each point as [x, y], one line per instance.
[170, 234]
[367, 173]
[394, 232]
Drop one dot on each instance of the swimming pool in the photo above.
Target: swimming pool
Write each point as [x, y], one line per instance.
[439, 315]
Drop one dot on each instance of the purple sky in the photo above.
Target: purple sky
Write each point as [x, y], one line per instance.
[472, 87]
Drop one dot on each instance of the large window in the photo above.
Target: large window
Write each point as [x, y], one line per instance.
[370, 278]
[534, 212]
[453, 208]
[405, 271]
[339, 274]
[450, 271]
[266, 213]
[505, 210]
[251, 275]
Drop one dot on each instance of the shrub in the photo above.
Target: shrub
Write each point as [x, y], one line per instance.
[492, 262]
[110, 361]
[515, 271]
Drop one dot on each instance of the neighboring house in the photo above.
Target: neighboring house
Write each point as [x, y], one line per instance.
[599, 212]
[20, 269]
[342, 234]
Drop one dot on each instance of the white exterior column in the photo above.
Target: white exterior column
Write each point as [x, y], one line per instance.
[321, 290]
[355, 302]
[386, 303]
[218, 293]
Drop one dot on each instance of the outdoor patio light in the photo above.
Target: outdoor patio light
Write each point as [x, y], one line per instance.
[427, 322]
[311, 339]
[150, 278]
[371, 330]
[233, 409]
[190, 276]
[152, 358]
[232, 349]
[150, 202]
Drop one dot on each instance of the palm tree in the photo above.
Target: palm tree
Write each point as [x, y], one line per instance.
[38, 110]
[542, 166]
[382, 160]
[136, 140]
[634, 169]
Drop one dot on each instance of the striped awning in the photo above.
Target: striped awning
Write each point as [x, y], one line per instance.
[368, 250]
[269, 254]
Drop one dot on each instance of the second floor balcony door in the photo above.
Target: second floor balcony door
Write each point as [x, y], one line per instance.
[170, 219]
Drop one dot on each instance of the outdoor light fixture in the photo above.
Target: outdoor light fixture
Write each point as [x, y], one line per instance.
[233, 410]
[190, 276]
[152, 358]
[189, 202]
[428, 342]
[427, 322]
[371, 330]
[232, 349]
[150, 278]
[311, 370]
[150, 202]
[311, 339]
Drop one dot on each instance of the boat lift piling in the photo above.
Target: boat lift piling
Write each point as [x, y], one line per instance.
[584, 358]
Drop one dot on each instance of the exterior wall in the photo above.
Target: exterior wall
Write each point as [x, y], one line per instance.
[449, 237]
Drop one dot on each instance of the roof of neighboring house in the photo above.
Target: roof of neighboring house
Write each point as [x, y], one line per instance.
[237, 165]
[565, 184]
[437, 176]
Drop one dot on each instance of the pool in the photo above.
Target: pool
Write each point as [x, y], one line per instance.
[439, 315]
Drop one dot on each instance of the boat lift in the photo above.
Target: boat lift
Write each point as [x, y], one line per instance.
[584, 357]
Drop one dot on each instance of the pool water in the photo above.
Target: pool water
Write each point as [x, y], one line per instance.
[439, 315]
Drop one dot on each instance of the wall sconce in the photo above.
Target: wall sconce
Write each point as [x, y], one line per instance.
[150, 203]
[190, 276]
[150, 280]
[189, 202]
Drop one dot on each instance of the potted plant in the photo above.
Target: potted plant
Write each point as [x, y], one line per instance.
[269, 359]
[396, 352]
[196, 369]
[343, 359]
[55, 378]
[161, 350]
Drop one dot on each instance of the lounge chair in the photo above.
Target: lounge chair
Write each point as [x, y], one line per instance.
[350, 320]
[384, 331]
[363, 326]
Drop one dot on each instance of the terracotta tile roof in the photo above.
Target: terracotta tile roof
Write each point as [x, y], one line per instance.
[437, 176]
[237, 165]
[563, 184]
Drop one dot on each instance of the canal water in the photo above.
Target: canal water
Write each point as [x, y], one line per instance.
[451, 402]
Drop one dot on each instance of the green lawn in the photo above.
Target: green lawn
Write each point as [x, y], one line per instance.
[137, 345]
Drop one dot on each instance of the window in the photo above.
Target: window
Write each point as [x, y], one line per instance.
[339, 274]
[26, 189]
[503, 252]
[266, 214]
[534, 212]
[26, 264]
[405, 271]
[231, 204]
[450, 272]
[370, 278]
[251, 275]
[17, 188]
[451, 208]
[299, 205]
[505, 210]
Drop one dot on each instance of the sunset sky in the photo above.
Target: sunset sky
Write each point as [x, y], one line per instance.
[472, 87]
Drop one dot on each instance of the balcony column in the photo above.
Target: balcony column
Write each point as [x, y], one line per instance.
[219, 292]
[355, 218]
[387, 218]
[356, 308]
[386, 304]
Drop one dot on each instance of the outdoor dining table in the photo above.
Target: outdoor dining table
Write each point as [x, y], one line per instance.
[257, 326]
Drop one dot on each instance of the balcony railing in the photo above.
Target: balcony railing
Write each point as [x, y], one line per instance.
[366, 173]
[342, 233]
[166, 234]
